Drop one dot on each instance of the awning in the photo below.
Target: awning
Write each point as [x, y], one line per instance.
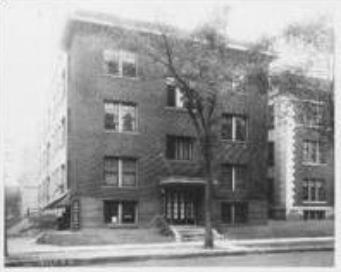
[182, 180]
[59, 202]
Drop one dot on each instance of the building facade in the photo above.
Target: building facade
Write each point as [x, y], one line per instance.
[127, 149]
[301, 162]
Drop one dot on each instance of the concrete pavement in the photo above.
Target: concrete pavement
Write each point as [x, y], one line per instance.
[31, 254]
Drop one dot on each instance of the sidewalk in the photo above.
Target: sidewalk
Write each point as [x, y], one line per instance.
[45, 255]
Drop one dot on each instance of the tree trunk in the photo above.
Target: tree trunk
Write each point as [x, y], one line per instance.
[209, 242]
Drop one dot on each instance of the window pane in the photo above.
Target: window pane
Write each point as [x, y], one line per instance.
[111, 116]
[240, 177]
[129, 180]
[179, 148]
[312, 192]
[305, 151]
[226, 177]
[322, 153]
[179, 98]
[313, 152]
[171, 95]
[128, 117]
[321, 191]
[240, 128]
[111, 171]
[305, 194]
[110, 210]
[128, 212]
[129, 172]
[111, 178]
[226, 128]
[226, 216]
[129, 69]
[313, 114]
[241, 211]
[111, 164]
[111, 59]
[128, 64]
[310, 151]
[170, 147]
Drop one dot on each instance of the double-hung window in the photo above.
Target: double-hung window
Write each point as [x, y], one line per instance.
[312, 113]
[120, 172]
[179, 147]
[175, 98]
[120, 63]
[314, 190]
[119, 116]
[234, 127]
[234, 212]
[313, 152]
[120, 212]
[233, 177]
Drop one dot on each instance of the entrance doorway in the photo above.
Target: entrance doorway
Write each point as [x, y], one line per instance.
[181, 206]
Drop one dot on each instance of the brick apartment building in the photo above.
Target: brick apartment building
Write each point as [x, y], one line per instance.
[122, 149]
[301, 162]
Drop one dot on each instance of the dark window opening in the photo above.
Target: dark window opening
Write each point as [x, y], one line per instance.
[129, 172]
[129, 69]
[111, 171]
[271, 153]
[110, 211]
[234, 213]
[119, 212]
[179, 148]
[128, 212]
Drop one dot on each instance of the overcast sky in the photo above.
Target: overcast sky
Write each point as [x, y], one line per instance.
[32, 29]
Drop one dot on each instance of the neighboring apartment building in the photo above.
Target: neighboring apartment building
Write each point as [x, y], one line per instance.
[53, 159]
[29, 196]
[301, 163]
[121, 148]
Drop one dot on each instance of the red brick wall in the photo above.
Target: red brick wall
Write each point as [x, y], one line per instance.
[88, 142]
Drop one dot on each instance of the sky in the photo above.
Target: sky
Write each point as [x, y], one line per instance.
[31, 32]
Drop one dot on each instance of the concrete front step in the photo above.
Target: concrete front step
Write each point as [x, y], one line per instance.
[191, 233]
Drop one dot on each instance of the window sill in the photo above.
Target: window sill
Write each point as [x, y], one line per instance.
[119, 187]
[121, 225]
[314, 202]
[121, 132]
[311, 126]
[313, 164]
[182, 161]
[178, 109]
[233, 141]
[120, 77]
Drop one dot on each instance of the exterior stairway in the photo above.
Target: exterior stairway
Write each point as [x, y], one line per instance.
[184, 233]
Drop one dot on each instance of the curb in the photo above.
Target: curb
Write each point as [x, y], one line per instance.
[130, 258]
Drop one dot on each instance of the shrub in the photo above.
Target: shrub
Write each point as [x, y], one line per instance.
[161, 224]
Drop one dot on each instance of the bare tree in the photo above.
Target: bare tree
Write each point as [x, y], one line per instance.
[203, 67]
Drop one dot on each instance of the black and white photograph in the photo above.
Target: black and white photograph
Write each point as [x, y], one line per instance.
[168, 134]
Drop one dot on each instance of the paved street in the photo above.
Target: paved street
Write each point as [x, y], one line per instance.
[317, 258]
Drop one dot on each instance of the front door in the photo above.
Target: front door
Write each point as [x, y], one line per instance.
[181, 206]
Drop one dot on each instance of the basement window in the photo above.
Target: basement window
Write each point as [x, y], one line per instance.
[120, 212]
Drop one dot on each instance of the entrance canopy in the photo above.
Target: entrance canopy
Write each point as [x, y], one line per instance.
[182, 180]
[60, 202]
